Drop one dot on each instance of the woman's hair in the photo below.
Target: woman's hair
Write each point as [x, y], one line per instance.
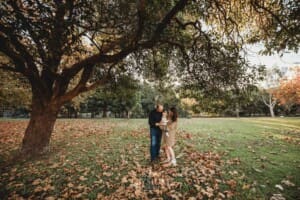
[175, 114]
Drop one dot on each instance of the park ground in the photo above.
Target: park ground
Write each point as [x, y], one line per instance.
[218, 158]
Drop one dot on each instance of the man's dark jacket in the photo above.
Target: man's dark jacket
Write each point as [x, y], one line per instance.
[154, 117]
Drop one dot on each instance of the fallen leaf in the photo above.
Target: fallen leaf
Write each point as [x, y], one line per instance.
[50, 198]
[288, 183]
[70, 185]
[37, 182]
[124, 179]
[277, 197]
[279, 187]
[246, 186]
[107, 174]
[38, 189]
[48, 187]
[231, 183]
[82, 178]
[257, 170]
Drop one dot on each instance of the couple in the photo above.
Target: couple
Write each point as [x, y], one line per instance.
[159, 129]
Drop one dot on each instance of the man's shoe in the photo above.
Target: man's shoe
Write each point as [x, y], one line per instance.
[154, 161]
[159, 158]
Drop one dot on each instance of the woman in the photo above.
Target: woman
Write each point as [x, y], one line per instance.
[169, 138]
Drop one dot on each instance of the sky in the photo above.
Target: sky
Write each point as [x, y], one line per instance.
[289, 59]
[286, 62]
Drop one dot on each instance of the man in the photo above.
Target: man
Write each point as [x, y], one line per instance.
[155, 132]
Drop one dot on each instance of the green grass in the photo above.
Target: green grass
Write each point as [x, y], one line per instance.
[268, 149]
[257, 153]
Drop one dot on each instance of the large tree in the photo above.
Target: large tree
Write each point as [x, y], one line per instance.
[39, 37]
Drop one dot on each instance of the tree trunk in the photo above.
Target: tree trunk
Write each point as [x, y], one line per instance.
[104, 112]
[38, 132]
[68, 113]
[271, 106]
[128, 114]
[288, 109]
[237, 110]
[272, 111]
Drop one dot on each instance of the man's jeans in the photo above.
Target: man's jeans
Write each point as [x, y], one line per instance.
[155, 135]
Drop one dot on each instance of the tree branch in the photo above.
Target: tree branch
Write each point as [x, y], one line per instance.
[92, 40]
[77, 90]
[15, 57]
[184, 25]
[264, 100]
[141, 15]
[22, 51]
[101, 57]
[27, 26]
[256, 5]
[8, 68]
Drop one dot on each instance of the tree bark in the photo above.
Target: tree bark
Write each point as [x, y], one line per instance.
[127, 114]
[272, 105]
[69, 112]
[237, 110]
[38, 132]
[272, 111]
[104, 112]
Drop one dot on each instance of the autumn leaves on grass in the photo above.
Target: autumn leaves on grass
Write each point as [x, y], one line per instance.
[96, 161]
[197, 176]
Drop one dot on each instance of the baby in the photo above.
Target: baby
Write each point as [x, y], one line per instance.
[163, 123]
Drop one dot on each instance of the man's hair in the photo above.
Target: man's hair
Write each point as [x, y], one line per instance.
[158, 104]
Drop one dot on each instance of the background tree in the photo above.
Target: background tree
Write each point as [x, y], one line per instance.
[120, 96]
[148, 95]
[271, 83]
[125, 95]
[14, 92]
[254, 106]
[99, 102]
[239, 98]
[188, 105]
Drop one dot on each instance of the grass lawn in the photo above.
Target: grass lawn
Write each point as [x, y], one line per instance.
[218, 158]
